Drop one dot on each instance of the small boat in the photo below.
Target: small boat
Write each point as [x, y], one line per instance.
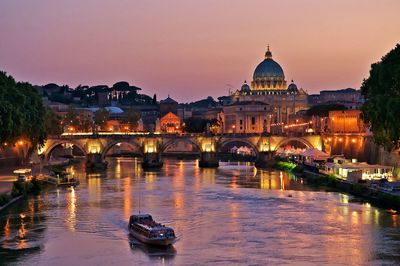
[146, 230]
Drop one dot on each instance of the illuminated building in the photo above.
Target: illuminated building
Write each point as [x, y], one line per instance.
[265, 106]
[247, 117]
[170, 123]
[346, 121]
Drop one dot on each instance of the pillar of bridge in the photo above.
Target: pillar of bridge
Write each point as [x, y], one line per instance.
[152, 160]
[209, 155]
[95, 161]
[209, 159]
[265, 159]
[151, 155]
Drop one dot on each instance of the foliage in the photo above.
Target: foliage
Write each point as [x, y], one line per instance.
[285, 166]
[323, 109]
[78, 121]
[132, 117]
[154, 99]
[22, 112]
[121, 86]
[199, 125]
[21, 188]
[381, 92]
[4, 199]
[101, 117]
[205, 103]
[52, 122]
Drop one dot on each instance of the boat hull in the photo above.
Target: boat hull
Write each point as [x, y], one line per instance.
[152, 241]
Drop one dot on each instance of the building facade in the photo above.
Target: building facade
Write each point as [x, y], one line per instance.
[247, 117]
[270, 101]
[168, 105]
[170, 123]
[346, 121]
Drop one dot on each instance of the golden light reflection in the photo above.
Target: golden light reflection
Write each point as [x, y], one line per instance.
[376, 217]
[118, 168]
[354, 218]
[22, 243]
[7, 229]
[71, 221]
[234, 210]
[94, 188]
[127, 198]
[150, 178]
[281, 181]
[208, 176]
[234, 184]
[395, 222]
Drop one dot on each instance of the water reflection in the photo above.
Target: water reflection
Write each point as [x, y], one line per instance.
[235, 214]
[71, 219]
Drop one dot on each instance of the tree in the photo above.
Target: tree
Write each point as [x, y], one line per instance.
[52, 122]
[132, 117]
[121, 86]
[22, 112]
[101, 117]
[381, 92]
[195, 125]
[155, 99]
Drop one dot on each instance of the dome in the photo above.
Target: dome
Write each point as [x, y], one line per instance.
[114, 110]
[292, 87]
[245, 87]
[268, 69]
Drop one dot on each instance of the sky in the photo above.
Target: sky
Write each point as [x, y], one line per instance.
[191, 49]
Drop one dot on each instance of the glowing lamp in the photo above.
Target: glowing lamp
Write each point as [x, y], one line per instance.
[94, 149]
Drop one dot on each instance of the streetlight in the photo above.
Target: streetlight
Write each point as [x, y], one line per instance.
[233, 129]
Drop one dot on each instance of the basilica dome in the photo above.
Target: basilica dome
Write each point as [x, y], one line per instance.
[269, 75]
[292, 87]
[245, 87]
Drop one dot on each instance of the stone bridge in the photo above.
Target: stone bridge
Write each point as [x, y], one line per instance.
[151, 146]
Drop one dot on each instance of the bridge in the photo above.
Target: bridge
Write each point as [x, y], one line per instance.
[152, 146]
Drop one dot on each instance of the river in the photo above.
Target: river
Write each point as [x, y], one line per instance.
[233, 215]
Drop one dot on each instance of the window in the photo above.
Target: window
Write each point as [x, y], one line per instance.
[241, 121]
[253, 120]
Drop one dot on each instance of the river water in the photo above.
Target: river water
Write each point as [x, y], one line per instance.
[233, 215]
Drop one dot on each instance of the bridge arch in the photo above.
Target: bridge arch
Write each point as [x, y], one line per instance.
[285, 141]
[224, 143]
[165, 146]
[111, 144]
[54, 145]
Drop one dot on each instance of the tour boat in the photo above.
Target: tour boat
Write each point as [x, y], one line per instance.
[146, 230]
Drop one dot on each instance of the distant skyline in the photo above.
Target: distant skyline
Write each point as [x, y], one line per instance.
[194, 49]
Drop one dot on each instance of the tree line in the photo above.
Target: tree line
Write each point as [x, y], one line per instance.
[22, 112]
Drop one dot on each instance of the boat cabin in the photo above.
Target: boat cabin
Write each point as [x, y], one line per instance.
[23, 174]
[140, 218]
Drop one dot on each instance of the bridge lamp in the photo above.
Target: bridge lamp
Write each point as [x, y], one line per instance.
[208, 147]
[340, 139]
[150, 148]
[353, 140]
[265, 147]
[94, 149]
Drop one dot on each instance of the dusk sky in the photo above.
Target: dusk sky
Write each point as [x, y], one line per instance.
[193, 49]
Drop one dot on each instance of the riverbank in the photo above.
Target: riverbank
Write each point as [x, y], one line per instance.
[380, 198]
[20, 189]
